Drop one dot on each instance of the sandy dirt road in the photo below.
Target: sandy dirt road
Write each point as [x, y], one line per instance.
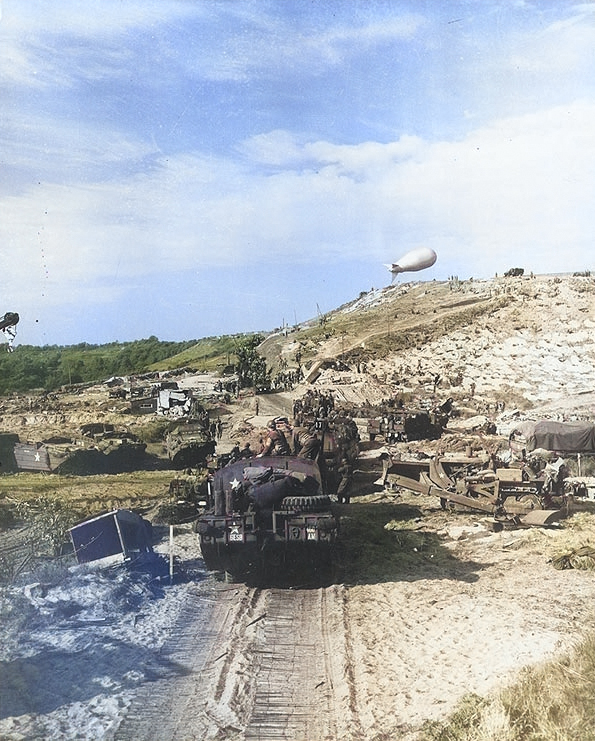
[367, 661]
[268, 665]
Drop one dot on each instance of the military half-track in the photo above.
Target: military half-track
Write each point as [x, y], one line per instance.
[268, 516]
[189, 445]
[399, 424]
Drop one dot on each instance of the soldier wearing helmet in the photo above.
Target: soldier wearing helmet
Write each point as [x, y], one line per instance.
[276, 443]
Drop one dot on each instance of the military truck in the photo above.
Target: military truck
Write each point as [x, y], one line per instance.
[404, 425]
[268, 517]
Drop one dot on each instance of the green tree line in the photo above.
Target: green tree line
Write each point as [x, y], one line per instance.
[49, 367]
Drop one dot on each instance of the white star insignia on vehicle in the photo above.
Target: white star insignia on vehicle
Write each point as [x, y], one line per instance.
[235, 484]
[37, 457]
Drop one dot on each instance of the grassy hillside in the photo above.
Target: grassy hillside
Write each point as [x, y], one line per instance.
[208, 354]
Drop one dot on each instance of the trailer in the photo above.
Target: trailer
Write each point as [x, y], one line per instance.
[120, 534]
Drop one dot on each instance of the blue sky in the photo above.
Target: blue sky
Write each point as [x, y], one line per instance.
[187, 168]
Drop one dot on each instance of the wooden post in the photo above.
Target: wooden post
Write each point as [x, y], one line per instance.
[171, 554]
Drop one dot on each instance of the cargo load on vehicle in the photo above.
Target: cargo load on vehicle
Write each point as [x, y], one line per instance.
[547, 434]
[403, 424]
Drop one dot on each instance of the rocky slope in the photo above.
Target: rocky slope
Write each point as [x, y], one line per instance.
[527, 342]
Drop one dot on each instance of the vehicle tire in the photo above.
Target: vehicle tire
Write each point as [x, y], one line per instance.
[317, 503]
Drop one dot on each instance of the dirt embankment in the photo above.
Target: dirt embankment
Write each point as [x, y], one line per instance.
[526, 341]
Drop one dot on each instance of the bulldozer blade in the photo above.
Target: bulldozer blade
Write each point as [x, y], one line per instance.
[542, 516]
[412, 484]
[438, 475]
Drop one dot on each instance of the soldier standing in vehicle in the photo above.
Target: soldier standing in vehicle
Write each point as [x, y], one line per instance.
[307, 444]
[276, 443]
[235, 454]
[246, 451]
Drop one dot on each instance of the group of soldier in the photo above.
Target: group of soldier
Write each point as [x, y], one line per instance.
[216, 429]
[304, 442]
[301, 442]
[286, 380]
[317, 404]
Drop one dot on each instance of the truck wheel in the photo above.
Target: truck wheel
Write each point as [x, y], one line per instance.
[316, 503]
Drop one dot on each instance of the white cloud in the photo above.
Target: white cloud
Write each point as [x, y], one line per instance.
[52, 44]
[532, 67]
[93, 18]
[285, 149]
[520, 190]
[360, 159]
[566, 47]
[275, 148]
[272, 45]
[62, 149]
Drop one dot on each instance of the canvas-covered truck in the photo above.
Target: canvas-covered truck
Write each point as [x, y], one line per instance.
[268, 517]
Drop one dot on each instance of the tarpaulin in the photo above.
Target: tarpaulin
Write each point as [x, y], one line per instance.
[565, 437]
